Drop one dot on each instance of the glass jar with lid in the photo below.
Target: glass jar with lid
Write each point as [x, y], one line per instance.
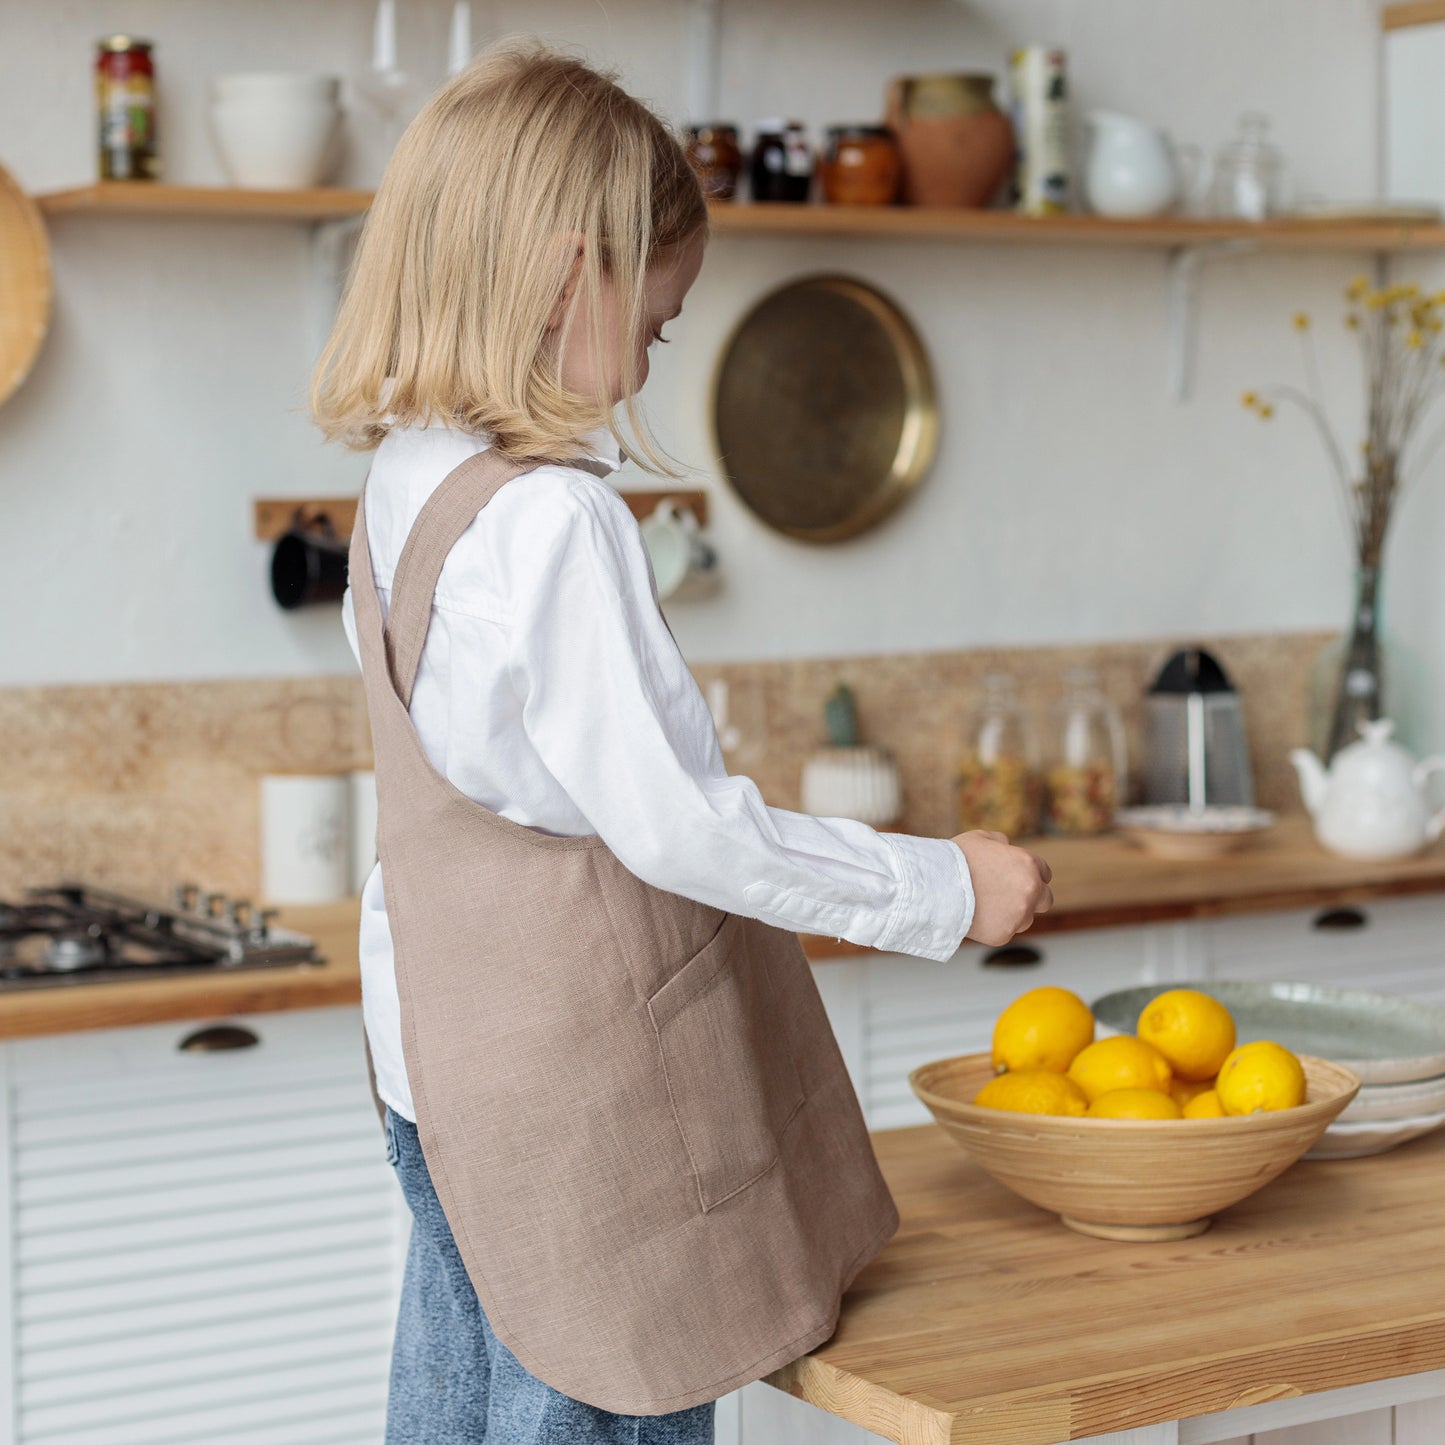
[998, 778]
[1086, 757]
[1249, 173]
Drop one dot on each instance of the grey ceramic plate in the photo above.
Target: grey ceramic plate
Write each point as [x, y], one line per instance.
[1384, 1039]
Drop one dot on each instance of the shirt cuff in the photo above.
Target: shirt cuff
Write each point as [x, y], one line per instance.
[935, 903]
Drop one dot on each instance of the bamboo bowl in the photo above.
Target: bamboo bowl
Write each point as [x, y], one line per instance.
[1130, 1179]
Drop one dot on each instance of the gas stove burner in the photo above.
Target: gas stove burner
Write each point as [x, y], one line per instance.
[68, 951]
[73, 934]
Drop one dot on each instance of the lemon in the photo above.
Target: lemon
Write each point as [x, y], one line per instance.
[1134, 1104]
[1033, 1091]
[1043, 1029]
[1123, 1062]
[1193, 1031]
[1204, 1106]
[1183, 1090]
[1260, 1076]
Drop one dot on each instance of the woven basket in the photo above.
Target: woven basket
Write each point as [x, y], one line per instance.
[24, 284]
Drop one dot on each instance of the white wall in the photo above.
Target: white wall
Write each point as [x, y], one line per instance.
[1071, 499]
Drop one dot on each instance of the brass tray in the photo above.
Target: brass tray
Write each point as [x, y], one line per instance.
[823, 408]
[24, 284]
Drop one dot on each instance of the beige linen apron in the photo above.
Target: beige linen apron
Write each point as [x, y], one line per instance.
[631, 1104]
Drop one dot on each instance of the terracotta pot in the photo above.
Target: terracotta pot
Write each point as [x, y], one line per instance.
[957, 145]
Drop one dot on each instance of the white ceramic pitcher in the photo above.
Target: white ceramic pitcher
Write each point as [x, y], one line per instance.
[1134, 169]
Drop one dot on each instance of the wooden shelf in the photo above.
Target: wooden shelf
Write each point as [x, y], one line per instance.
[1412, 12]
[1164, 232]
[271, 516]
[912, 223]
[153, 198]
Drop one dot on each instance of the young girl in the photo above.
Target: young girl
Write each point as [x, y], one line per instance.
[637, 1169]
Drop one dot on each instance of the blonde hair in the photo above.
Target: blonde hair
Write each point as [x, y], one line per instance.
[469, 245]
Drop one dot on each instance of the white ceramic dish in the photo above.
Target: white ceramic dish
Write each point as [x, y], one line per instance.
[1383, 1102]
[1380, 1037]
[1176, 831]
[1345, 1140]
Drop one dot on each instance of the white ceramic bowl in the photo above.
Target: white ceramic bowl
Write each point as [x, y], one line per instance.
[276, 85]
[276, 141]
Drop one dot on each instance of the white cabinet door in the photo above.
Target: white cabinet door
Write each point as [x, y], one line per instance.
[203, 1245]
[1392, 945]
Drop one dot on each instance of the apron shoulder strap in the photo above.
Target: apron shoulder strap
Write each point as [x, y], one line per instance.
[445, 515]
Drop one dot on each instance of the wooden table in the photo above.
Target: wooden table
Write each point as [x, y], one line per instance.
[986, 1322]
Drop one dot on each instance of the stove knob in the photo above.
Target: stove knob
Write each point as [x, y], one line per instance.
[261, 928]
[215, 904]
[185, 896]
[238, 914]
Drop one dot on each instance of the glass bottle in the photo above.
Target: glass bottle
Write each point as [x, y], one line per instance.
[1086, 757]
[998, 778]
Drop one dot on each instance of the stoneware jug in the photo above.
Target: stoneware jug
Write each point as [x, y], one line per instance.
[957, 146]
[1372, 801]
[1133, 168]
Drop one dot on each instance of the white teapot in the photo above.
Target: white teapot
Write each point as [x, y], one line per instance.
[1371, 802]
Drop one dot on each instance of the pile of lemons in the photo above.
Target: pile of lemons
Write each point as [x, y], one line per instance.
[1181, 1064]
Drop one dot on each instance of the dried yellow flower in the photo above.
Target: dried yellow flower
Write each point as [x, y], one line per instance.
[1357, 288]
[1301, 321]
[1265, 411]
[1414, 340]
[1249, 399]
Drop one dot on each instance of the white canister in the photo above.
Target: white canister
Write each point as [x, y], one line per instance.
[276, 131]
[363, 827]
[853, 782]
[305, 852]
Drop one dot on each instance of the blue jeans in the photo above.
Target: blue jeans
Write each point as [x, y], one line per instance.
[453, 1382]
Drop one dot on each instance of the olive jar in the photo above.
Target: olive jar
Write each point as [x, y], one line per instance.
[998, 777]
[1086, 757]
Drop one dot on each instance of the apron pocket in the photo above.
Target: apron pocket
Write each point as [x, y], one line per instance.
[725, 1055]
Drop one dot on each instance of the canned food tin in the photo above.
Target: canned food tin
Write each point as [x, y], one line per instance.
[125, 102]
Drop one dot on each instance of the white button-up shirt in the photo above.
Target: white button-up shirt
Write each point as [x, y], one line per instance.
[551, 692]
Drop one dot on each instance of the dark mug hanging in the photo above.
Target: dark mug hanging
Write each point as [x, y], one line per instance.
[308, 564]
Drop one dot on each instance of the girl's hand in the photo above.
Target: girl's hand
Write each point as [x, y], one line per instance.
[1010, 886]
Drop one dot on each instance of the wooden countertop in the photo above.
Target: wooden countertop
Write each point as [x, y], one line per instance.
[72, 1008]
[1098, 882]
[1106, 882]
[986, 1322]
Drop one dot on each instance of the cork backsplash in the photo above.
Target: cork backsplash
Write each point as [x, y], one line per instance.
[140, 785]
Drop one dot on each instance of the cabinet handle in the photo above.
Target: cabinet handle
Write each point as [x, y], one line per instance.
[217, 1039]
[1013, 955]
[1341, 919]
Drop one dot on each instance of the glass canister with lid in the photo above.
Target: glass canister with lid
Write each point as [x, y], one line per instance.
[1087, 763]
[998, 778]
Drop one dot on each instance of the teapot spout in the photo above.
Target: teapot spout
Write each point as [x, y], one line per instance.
[1313, 779]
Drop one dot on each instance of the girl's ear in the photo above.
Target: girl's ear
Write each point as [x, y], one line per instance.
[569, 290]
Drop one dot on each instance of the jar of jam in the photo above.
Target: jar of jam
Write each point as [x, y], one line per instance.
[782, 168]
[125, 103]
[860, 166]
[713, 152]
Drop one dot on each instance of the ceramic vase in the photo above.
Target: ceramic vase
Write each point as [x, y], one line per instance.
[957, 146]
